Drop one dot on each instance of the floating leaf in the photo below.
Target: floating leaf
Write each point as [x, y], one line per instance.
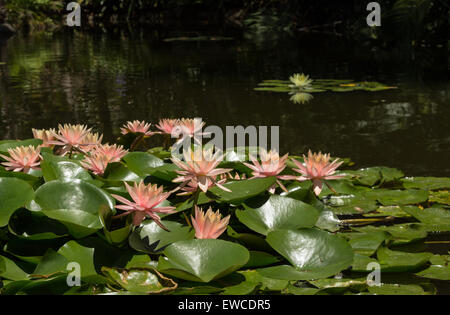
[14, 194]
[158, 239]
[75, 204]
[278, 213]
[396, 261]
[315, 254]
[202, 260]
[426, 183]
[142, 163]
[142, 280]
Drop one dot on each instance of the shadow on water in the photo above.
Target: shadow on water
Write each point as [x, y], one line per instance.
[106, 79]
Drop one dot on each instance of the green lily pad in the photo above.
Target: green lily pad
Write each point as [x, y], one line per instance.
[260, 259]
[397, 289]
[400, 233]
[35, 226]
[54, 168]
[442, 196]
[14, 194]
[202, 260]
[433, 215]
[142, 163]
[396, 261]
[10, 270]
[367, 243]
[140, 280]
[398, 197]
[350, 204]
[11, 144]
[158, 239]
[315, 254]
[436, 272]
[76, 204]
[118, 235]
[243, 189]
[278, 213]
[426, 183]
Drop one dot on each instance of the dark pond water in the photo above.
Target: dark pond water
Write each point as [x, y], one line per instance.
[107, 79]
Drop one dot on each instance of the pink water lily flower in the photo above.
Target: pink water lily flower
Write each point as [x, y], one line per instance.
[22, 158]
[44, 135]
[316, 168]
[96, 163]
[210, 224]
[190, 127]
[146, 199]
[200, 165]
[91, 141]
[114, 152]
[167, 126]
[70, 136]
[136, 126]
[192, 186]
[271, 165]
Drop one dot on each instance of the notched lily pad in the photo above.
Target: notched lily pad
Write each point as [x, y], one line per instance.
[202, 260]
[278, 213]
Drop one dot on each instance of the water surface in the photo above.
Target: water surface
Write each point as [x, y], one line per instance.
[107, 79]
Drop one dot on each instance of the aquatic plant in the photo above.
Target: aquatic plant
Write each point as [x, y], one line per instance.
[121, 215]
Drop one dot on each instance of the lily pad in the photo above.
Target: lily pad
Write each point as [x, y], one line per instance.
[14, 194]
[315, 254]
[396, 261]
[278, 213]
[426, 183]
[143, 280]
[202, 260]
[158, 239]
[76, 204]
[142, 163]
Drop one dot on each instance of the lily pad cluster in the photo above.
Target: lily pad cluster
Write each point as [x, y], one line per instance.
[301, 87]
[60, 231]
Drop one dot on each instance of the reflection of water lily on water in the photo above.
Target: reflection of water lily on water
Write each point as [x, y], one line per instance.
[301, 97]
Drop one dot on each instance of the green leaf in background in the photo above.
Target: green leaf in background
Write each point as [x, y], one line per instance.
[367, 243]
[202, 260]
[260, 259]
[426, 183]
[9, 270]
[398, 197]
[35, 226]
[158, 239]
[118, 235]
[120, 173]
[142, 163]
[51, 263]
[10, 144]
[278, 213]
[243, 189]
[351, 204]
[314, 253]
[14, 194]
[54, 167]
[76, 204]
[396, 261]
[401, 233]
[397, 289]
[432, 216]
